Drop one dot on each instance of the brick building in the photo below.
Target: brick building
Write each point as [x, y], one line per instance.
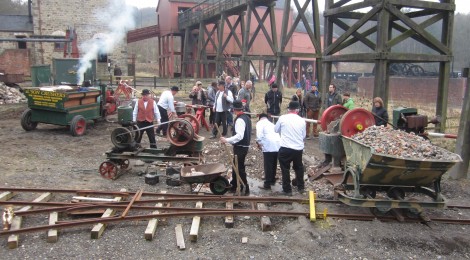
[51, 19]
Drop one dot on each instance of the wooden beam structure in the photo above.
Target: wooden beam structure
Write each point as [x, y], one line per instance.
[393, 21]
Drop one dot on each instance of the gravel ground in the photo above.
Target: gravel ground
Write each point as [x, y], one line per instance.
[50, 158]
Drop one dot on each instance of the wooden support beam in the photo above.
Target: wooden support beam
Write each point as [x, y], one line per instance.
[229, 218]
[351, 7]
[52, 234]
[179, 237]
[265, 220]
[13, 240]
[423, 4]
[99, 228]
[193, 234]
[153, 223]
[4, 196]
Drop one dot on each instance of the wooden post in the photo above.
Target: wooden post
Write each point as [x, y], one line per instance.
[193, 234]
[229, 218]
[153, 223]
[52, 234]
[179, 237]
[99, 228]
[6, 195]
[265, 220]
[462, 146]
[13, 240]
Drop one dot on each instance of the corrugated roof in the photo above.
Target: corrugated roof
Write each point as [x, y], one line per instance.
[15, 23]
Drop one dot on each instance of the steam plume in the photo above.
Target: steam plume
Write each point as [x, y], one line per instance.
[119, 19]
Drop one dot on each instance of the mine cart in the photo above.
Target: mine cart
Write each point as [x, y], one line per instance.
[404, 182]
[207, 173]
[72, 108]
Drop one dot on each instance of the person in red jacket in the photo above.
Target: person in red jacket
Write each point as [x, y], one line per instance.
[145, 112]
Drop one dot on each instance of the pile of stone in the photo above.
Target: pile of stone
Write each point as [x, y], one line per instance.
[401, 144]
[10, 95]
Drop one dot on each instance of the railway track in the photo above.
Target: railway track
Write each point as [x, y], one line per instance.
[134, 206]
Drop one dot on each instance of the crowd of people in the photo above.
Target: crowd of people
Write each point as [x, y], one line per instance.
[280, 136]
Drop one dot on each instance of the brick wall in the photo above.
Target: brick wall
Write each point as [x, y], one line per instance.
[50, 16]
[15, 61]
[407, 91]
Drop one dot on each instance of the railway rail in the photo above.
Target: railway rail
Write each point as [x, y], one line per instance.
[133, 204]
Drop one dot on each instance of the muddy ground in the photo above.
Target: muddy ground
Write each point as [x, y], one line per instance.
[49, 157]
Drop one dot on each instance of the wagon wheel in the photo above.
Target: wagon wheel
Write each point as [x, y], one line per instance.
[124, 164]
[196, 125]
[108, 170]
[368, 192]
[26, 121]
[416, 70]
[379, 212]
[219, 186]
[396, 193]
[180, 133]
[78, 125]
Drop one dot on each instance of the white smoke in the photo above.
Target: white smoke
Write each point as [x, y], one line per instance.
[119, 19]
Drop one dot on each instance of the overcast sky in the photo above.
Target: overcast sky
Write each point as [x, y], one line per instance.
[462, 6]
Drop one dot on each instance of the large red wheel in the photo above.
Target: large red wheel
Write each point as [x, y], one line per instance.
[108, 170]
[331, 114]
[356, 120]
[78, 125]
[193, 120]
[180, 133]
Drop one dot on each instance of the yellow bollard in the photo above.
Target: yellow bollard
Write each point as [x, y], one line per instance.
[311, 199]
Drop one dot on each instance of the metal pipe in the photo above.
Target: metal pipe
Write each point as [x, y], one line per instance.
[306, 120]
[33, 40]
[441, 135]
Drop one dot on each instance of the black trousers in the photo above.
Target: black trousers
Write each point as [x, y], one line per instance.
[286, 157]
[211, 116]
[164, 119]
[241, 153]
[220, 119]
[150, 133]
[270, 165]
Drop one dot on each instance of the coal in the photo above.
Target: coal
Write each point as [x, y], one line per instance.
[401, 144]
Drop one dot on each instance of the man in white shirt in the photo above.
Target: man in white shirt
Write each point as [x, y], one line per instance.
[241, 142]
[166, 107]
[293, 129]
[269, 142]
[223, 100]
[145, 112]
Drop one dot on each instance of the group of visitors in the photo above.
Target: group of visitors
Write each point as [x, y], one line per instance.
[280, 140]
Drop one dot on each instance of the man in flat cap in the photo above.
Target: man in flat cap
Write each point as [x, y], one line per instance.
[292, 128]
[166, 107]
[145, 112]
[241, 142]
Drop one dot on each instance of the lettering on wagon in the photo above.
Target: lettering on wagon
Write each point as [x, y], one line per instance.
[44, 98]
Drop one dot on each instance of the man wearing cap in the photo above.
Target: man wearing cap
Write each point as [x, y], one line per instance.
[292, 129]
[166, 107]
[223, 100]
[269, 142]
[273, 100]
[241, 142]
[145, 112]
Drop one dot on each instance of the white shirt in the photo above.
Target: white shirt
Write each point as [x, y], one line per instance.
[218, 105]
[156, 112]
[293, 130]
[266, 137]
[167, 100]
[239, 132]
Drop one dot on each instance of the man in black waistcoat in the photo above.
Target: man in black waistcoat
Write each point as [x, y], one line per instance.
[241, 142]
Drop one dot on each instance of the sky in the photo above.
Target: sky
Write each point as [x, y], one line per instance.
[462, 6]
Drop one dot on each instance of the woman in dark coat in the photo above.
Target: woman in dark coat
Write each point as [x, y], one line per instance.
[380, 113]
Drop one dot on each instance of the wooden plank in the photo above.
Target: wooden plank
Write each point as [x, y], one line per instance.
[52, 234]
[179, 237]
[229, 218]
[265, 220]
[193, 234]
[13, 240]
[99, 228]
[4, 196]
[153, 223]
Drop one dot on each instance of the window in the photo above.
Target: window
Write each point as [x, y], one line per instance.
[59, 46]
